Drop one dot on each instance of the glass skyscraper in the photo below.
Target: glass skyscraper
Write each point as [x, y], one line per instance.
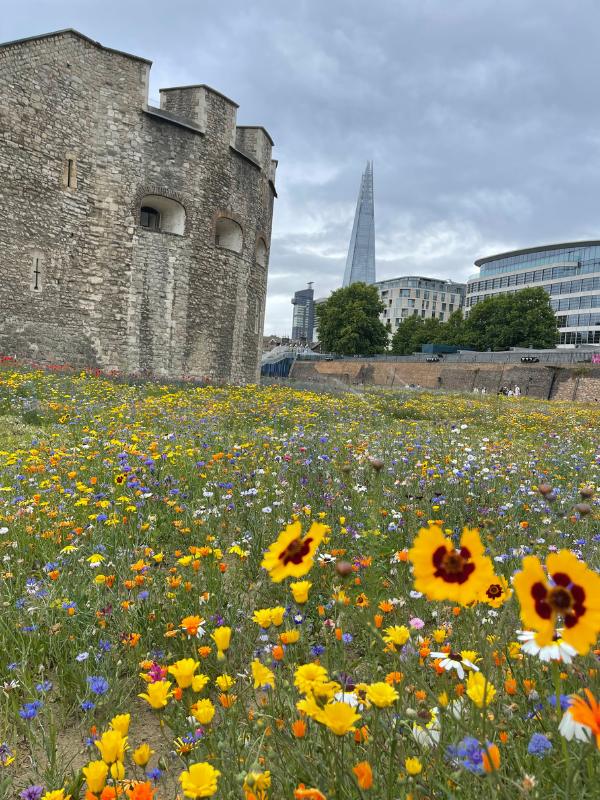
[303, 321]
[360, 264]
[570, 273]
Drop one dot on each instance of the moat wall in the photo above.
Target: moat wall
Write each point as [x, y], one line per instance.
[555, 383]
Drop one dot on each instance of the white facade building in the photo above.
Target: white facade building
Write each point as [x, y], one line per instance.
[416, 296]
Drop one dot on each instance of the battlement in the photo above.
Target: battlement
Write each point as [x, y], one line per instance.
[205, 107]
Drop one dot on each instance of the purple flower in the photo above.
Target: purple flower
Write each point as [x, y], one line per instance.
[32, 793]
[97, 685]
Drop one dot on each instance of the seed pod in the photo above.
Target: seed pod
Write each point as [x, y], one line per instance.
[376, 463]
[544, 488]
[583, 509]
[587, 492]
[343, 568]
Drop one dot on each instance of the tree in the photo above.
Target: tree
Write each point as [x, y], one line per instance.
[453, 332]
[349, 321]
[517, 319]
[415, 331]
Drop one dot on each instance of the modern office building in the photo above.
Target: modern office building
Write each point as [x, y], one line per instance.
[416, 296]
[570, 273]
[303, 320]
[360, 263]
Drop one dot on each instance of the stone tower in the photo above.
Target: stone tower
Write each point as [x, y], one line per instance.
[360, 263]
[132, 238]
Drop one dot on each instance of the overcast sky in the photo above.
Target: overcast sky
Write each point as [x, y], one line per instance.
[481, 116]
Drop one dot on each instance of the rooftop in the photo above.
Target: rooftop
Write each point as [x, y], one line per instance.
[73, 32]
[541, 249]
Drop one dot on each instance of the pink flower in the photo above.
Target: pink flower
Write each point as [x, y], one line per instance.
[416, 623]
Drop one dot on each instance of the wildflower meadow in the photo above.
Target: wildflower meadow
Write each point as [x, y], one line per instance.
[262, 593]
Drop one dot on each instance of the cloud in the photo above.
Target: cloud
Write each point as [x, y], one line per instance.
[479, 117]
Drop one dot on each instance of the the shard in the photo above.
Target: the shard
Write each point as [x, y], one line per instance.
[360, 264]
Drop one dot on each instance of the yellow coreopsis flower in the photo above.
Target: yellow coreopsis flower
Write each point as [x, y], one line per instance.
[565, 595]
[121, 723]
[262, 675]
[292, 554]
[142, 754]
[112, 746]
[117, 771]
[199, 682]
[381, 694]
[203, 711]
[56, 794]
[183, 671]
[262, 617]
[224, 682]
[222, 638]
[338, 717]
[289, 637]
[277, 615]
[413, 766]
[96, 774]
[396, 635]
[158, 694]
[300, 591]
[480, 690]
[308, 676]
[445, 572]
[199, 781]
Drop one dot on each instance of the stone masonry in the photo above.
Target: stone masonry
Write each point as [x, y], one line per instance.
[88, 278]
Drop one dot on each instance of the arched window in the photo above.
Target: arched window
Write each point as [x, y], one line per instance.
[261, 253]
[229, 235]
[158, 213]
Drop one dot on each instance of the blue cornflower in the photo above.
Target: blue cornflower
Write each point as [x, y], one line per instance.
[104, 646]
[32, 793]
[468, 754]
[45, 686]
[30, 710]
[154, 774]
[347, 638]
[87, 705]
[317, 650]
[97, 684]
[539, 745]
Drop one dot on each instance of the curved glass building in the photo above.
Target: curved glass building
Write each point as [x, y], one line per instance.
[570, 273]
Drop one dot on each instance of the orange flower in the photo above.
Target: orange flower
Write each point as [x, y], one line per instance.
[378, 620]
[510, 686]
[141, 791]
[364, 774]
[587, 713]
[491, 758]
[277, 652]
[394, 677]
[299, 728]
[191, 625]
[503, 737]
[227, 700]
[302, 793]
[420, 694]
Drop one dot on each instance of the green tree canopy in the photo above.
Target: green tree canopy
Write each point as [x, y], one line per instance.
[349, 321]
[517, 319]
[413, 332]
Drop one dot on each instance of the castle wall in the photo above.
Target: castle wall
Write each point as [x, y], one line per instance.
[113, 294]
[555, 383]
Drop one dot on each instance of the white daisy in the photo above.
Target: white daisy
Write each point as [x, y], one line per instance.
[571, 729]
[559, 650]
[449, 661]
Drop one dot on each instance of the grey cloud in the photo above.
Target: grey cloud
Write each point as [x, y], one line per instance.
[478, 114]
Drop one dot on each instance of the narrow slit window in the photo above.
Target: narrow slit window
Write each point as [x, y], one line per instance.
[70, 172]
[36, 277]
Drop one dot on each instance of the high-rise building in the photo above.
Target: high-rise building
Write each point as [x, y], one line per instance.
[303, 320]
[360, 263]
[570, 273]
[419, 297]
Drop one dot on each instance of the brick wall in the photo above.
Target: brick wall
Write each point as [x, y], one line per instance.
[534, 380]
